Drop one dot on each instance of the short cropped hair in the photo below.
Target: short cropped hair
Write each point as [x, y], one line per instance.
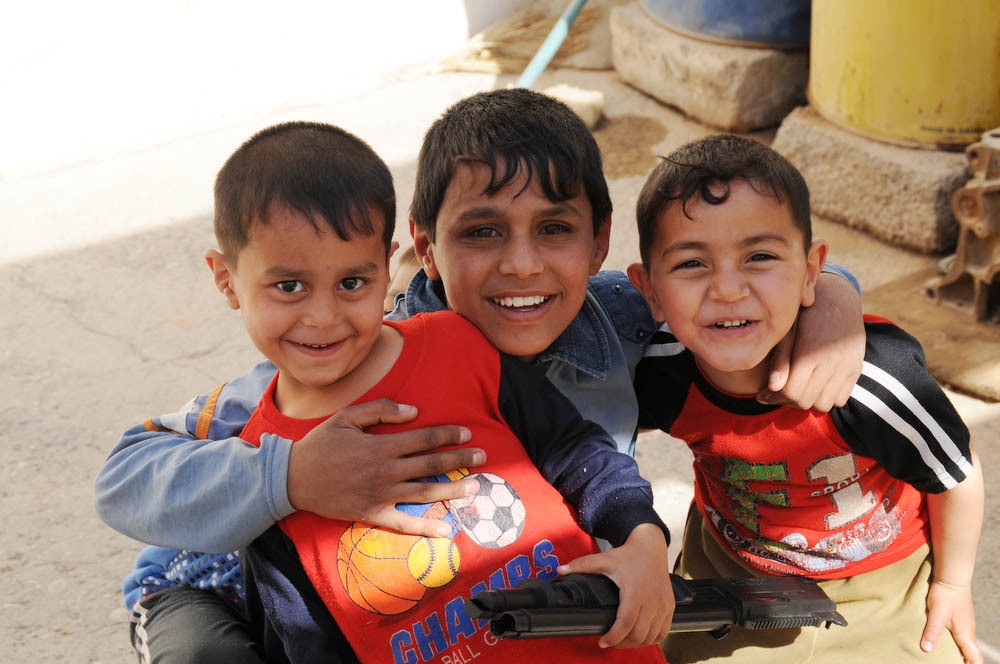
[316, 169]
[510, 130]
[698, 167]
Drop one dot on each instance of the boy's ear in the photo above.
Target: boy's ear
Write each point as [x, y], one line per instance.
[602, 245]
[814, 266]
[424, 251]
[223, 276]
[639, 277]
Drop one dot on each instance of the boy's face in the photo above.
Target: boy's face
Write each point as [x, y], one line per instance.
[515, 264]
[729, 282]
[311, 302]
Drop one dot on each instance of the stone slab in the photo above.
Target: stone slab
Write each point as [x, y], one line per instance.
[900, 195]
[734, 88]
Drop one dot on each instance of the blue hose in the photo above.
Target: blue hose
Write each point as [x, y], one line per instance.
[551, 44]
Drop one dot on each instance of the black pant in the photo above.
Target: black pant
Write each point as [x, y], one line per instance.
[185, 625]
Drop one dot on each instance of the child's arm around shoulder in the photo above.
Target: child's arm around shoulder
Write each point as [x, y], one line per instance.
[818, 362]
[165, 472]
[956, 519]
[187, 481]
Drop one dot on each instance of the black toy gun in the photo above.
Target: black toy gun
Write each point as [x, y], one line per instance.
[586, 604]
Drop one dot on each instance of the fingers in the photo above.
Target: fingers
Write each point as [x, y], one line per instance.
[621, 633]
[410, 525]
[636, 626]
[364, 415]
[383, 411]
[933, 629]
[432, 492]
[781, 362]
[969, 648]
[376, 471]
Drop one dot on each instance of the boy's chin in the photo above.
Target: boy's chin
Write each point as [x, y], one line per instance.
[523, 349]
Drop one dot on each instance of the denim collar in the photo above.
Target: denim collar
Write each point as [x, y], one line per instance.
[583, 345]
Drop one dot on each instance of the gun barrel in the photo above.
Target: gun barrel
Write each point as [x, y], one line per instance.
[544, 623]
[490, 602]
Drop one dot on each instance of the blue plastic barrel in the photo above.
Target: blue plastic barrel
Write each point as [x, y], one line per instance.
[768, 23]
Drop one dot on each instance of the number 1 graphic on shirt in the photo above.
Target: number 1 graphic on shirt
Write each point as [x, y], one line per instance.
[840, 473]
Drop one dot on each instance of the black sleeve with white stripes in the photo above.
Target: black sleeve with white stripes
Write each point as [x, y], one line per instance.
[900, 416]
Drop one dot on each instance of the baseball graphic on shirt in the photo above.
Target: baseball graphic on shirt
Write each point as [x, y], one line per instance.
[434, 561]
[494, 517]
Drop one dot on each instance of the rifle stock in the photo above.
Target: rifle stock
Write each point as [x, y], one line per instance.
[586, 604]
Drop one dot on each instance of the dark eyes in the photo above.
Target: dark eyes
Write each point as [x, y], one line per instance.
[352, 283]
[488, 232]
[483, 232]
[688, 265]
[291, 286]
[555, 229]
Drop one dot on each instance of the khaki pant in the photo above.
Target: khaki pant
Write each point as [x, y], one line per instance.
[885, 611]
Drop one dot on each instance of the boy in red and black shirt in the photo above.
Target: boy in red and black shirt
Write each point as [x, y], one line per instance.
[304, 220]
[869, 499]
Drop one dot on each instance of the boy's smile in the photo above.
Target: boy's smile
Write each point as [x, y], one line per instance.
[311, 303]
[729, 281]
[515, 263]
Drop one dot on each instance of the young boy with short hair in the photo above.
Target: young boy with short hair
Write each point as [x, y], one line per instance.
[304, 219]
[881, 500]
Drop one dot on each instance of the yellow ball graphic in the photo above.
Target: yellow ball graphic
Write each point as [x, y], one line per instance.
[434, 561]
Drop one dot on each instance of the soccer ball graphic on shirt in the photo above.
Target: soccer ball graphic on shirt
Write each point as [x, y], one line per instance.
[494, 517]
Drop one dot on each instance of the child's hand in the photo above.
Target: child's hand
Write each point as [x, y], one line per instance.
[951, 606]
[641, 571]
[373, 471]
[817, 364]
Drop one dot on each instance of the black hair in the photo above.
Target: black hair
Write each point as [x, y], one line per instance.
[704, 168]
[316, 169]
[510, 130]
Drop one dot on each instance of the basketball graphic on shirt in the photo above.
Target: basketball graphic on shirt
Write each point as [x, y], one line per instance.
[434, 561]
[494, 517]
[373, 567]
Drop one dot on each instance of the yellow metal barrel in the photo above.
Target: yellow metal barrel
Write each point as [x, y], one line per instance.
[916, 72]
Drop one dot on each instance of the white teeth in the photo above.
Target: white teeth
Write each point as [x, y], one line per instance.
[732, 323]
[316, 345]
[528, 301]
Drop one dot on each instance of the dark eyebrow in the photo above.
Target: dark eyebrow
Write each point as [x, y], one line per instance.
[488, 212]
[766, 237]
[748, 242]
[288, 273]
[481, 213]
[559, 210]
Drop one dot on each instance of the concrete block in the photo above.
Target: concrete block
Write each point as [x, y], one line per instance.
[897, 194]
[734, 88]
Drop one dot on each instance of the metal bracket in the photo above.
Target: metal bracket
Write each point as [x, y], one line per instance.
[972, 282]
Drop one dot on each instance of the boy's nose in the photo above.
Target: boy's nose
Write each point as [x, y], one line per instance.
[729, 285]
[521, 258]
[320, 312]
